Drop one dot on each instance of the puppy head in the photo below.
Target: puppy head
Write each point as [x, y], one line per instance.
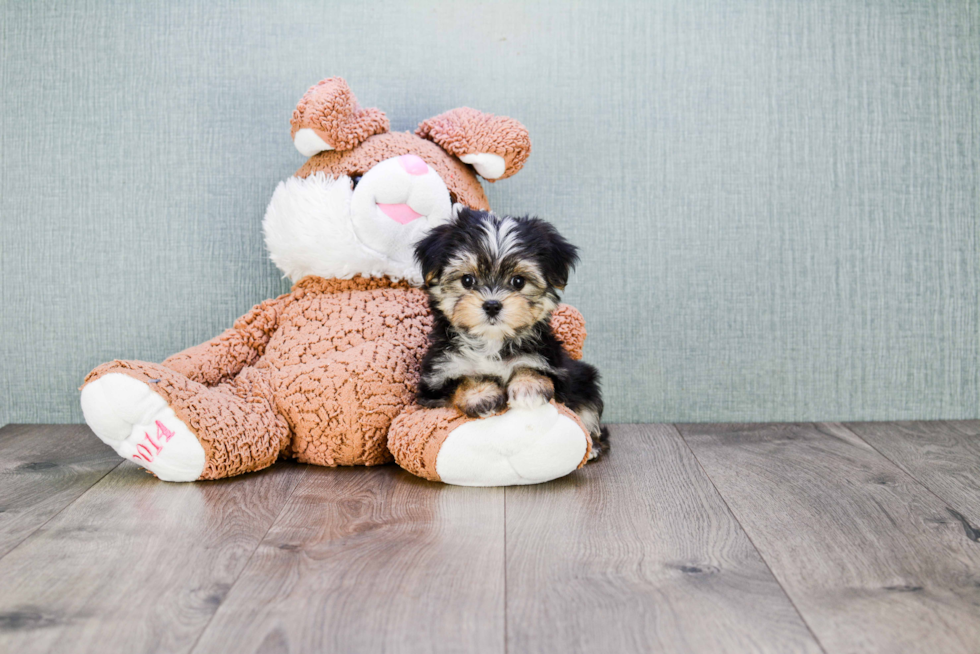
[494, 277]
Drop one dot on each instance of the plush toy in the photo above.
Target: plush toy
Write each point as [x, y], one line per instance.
[327, 373]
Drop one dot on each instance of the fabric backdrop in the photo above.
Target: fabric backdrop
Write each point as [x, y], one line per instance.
[777, 201]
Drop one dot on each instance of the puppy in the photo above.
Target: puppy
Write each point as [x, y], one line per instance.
[493, 283]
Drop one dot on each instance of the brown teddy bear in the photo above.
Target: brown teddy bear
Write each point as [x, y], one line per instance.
[327, 373]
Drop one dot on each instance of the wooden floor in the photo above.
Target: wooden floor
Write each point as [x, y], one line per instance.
[688, 538]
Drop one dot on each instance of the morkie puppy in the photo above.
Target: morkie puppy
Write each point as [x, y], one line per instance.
[493, 283]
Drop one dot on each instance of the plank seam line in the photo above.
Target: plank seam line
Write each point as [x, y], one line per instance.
[907, 473]
[506, 606]
[59, 512]
[255, 549]
[749, 537]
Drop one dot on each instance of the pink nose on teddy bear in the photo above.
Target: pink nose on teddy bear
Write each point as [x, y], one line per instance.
[413, 164]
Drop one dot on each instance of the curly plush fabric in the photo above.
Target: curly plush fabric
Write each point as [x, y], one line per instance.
[330, 109]
[224, 356]
[416, 436]
[465, 131]
[569, 326]
[319, 374]
[462, 183]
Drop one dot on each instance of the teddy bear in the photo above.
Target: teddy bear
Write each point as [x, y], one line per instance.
[326, 374]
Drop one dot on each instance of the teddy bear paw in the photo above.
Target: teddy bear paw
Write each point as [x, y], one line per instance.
[130, 417]
[519, 447]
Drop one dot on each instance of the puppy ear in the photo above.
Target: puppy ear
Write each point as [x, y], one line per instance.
[329, 118]
[558, 257]
[432, 252]
[496, 146]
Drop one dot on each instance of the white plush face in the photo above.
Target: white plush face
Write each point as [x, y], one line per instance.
[335, 228]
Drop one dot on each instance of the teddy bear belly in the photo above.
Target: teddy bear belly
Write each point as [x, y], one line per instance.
[319, 327]
[339, 408]
[343, 366]
[340, 404]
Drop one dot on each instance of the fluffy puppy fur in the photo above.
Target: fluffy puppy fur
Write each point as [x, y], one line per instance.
[493, 283]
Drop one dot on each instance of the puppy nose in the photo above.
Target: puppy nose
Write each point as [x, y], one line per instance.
[413, 164]
[492, 307]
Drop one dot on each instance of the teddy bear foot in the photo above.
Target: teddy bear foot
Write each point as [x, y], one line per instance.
[127, 415]
[519, 447]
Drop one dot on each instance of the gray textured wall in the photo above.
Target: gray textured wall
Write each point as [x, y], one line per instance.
[778, 200]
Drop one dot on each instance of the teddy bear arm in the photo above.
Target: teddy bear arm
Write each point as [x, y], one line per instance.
[225, 355]
[569, 326]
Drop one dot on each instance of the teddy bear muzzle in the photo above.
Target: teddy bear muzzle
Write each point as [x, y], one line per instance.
[397, 201]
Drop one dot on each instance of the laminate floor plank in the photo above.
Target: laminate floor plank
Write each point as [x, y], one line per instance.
[842, 525]
[43, 469]
[136, 564]
[871, 558]
[942, 456]
[638, 553]
[372, 560]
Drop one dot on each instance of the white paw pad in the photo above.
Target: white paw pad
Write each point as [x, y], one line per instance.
[521, 446]
[139, 425]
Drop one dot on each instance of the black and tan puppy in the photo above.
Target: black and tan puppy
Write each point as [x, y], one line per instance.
[493, 283]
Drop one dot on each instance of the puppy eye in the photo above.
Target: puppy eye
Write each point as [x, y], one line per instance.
[517, 282]
[354, 181]
[468, 281]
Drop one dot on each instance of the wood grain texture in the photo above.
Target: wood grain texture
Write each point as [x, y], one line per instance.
[43, 469]
[942, 456]
[639, 553]
[636, 553]
[372, 560]
[873, 560]
[135, 564]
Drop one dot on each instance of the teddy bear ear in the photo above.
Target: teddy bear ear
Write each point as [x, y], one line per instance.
[329, 118]
[496, 146]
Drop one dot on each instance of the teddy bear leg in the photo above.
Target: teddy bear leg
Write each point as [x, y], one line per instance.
[181, 430]
[517, 447]
[126, 414]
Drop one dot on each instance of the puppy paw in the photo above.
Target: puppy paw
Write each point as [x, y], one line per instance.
[480, 399]
[528, 390]
[600, 443]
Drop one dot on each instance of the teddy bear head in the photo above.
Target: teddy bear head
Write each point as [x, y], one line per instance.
[366, 195]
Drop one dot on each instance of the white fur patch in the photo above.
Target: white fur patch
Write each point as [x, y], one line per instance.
[307, 229]
[499, 239]
[321, 226]
[590, 419]
[127, 415]
[521, 446]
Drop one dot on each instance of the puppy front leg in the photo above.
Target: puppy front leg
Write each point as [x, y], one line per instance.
[528, 389]
[433, 397]
[479, 398]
